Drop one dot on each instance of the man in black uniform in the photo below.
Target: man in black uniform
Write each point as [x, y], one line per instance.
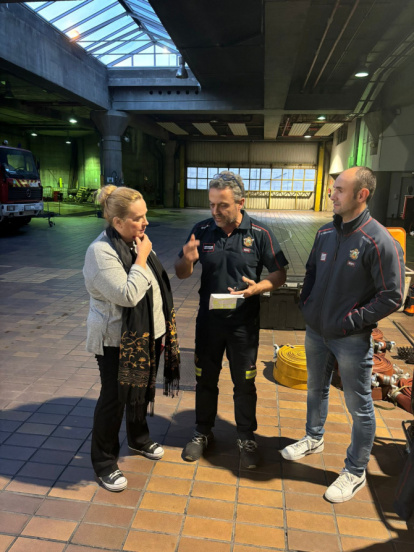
[233, 249]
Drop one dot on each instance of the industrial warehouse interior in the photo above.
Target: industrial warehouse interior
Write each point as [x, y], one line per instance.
[160, 96]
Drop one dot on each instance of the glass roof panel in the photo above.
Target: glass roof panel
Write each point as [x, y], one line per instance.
[105, 28]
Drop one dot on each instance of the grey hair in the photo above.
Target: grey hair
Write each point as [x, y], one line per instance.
[228, 179]
[365, 178]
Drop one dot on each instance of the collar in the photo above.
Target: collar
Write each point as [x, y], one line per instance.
[244, 225]
[352, 225]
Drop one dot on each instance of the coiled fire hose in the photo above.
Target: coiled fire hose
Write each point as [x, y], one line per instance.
[290, 367]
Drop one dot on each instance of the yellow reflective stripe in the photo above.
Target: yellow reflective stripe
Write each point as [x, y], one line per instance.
[198, 371]
[251, 374]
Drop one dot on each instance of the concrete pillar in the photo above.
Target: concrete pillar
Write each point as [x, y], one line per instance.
[169, 173]
[111, 124]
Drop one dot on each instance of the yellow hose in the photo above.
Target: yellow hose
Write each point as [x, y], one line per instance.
[290, 367]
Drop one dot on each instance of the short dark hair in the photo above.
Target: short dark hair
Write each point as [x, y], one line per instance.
[228, 179]
[365, 178]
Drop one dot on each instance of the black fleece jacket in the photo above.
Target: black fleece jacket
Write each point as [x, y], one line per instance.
[354, 277]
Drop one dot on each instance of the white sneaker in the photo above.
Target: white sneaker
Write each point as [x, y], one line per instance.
[115, 481]
[301, 448]
[345, 487]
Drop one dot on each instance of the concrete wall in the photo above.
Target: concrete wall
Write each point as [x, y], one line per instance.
[397, 142]
[142, 165]
[89, 164]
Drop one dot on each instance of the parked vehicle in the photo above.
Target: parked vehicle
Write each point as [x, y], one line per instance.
[21, 192]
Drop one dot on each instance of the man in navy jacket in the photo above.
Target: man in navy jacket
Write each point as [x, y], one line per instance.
[354, 278]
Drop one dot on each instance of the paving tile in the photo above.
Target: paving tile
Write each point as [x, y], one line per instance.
[214, 475]
[212, 490]
[350, 544]
[101, 536]
[188, 544]
[128, 498]
[12, 523]
[214, 509]
[19, 504]
[47, 528]
[30, 486]
[205, 528]
[16, 453]
[312, 522]
[260, 497]
[310, 503]
[109, 515]
[257, 535]
[169, 485]
[137, 541]
[174, 470]
[40, 471]
[157, 521]
[62, 509]
[73, 492]
[260, 515]
[23, 544]
[163, 503]
[5, 541]
[361, 527]
[312, 542]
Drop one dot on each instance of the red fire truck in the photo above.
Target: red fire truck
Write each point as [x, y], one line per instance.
[21, 192]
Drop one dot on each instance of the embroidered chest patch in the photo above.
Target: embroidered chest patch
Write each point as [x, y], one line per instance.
[248, 241]
[354, 254]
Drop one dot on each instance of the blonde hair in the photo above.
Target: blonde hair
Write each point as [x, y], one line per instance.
[115, 201]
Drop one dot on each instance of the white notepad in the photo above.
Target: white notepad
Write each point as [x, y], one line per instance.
[224, 301]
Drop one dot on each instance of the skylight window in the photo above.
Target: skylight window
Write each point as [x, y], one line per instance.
[130, 36]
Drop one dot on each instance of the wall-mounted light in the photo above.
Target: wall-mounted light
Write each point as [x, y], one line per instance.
[307, 136]
[321, 118]
[72, 120]
[181, 71]
[33, 133]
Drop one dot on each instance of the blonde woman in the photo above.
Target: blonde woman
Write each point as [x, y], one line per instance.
[131, 309]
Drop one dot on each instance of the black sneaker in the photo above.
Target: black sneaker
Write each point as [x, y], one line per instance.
[151, 450]
[249, 454]
[115, 481]
[195, 448]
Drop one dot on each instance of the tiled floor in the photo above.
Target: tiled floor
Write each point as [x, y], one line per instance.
[49, 498]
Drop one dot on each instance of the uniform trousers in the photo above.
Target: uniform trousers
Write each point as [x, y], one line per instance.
[354, 354]
[108, 416]
[214, 337]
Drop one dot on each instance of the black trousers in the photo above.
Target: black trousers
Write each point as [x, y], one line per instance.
[214, 337]
[109, 413]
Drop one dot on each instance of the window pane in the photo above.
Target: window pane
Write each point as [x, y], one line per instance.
[202, 184]
[254, 184]
[191, 172]
[266, 174]
[297, 185]
[277, 173]
[212, 171]
[265, 185]
[246, 184]
[143, 60]
[287, 185]
[191, 183]
[202, 172]
[287, 174]
[254, 173]
[245, 173]
[276, 185]
[221, 170]
[235, 171]
[308, 186]
[310, 174]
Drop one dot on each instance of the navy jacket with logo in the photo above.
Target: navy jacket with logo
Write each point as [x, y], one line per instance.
[354, 277]
[226, 259]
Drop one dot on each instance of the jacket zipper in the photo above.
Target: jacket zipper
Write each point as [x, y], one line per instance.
[338, 243]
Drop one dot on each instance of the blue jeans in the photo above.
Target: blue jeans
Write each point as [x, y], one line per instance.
[354, 355]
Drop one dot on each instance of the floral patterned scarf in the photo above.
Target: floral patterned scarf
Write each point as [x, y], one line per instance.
[137, 372]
